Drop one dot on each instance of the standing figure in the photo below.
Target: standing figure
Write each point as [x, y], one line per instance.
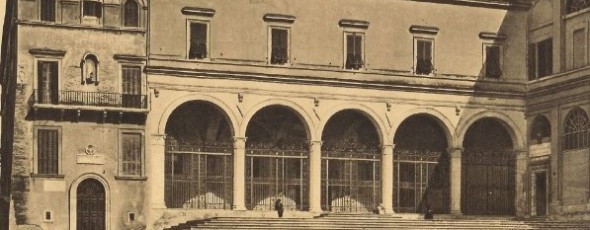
[429, 213]
[279, 207]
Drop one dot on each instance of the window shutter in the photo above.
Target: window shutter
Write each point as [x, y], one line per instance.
[47, 151]
[131, 13]
[579, 51]
[198, 41]
[532, 61]
[545, 58]
[48, 10]
[131, 155]
[279, 46]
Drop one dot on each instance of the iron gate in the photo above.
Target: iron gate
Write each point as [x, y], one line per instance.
[488, 182]
[351, 178]
[277, 172]
[420, 180]
[90, 205]
[198, 176]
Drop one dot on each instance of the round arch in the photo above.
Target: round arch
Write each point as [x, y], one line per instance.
[441, 119]
[74, 198]
[224, 108]
[363, 109]
[518, 138]
[305, 117]
[539, 128]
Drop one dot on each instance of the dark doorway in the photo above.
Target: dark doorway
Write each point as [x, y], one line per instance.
[488, 170]
[541, 193]
[90, 205]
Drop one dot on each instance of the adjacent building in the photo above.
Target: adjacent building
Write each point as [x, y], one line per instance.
[145, 114]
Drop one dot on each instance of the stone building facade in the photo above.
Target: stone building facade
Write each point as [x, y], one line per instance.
[146, 115]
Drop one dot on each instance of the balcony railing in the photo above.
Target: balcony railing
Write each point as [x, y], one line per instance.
[98, 99]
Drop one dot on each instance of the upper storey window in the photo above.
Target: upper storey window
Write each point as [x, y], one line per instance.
[48, 10]
[354, 45]
[131, 17]
[424, 48]
[197, 40]
[576, 130]
[279, 53]
[540, 59]
[492, 62]
[92, 8]
[573, 6]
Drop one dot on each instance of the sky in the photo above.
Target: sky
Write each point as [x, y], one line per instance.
[2, 9]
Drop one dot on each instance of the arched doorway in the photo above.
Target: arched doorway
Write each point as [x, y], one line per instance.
[351, 164]
[277, 162]
[90, 205]
[421, 166]
[488, 169]
[198, 167]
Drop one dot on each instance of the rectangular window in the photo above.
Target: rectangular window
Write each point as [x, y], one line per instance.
[424, 55]
[532, 62]
[544, 58]
[354, 51]
[131, 152]
[579, 48]
[92, 8]
[47, 151]
[48, 10]
[131, 87]
[492, 62]
[279, 47]
[47, 81]
[198, 41]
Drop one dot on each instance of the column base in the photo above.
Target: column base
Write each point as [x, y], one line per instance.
[239, 208]
[456, 212]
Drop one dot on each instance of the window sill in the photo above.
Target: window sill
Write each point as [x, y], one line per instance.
[133, 178]
[57, 176]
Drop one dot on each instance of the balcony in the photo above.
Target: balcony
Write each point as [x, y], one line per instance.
[78, 100]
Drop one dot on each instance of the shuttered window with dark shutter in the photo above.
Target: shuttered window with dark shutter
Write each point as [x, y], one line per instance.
[48, 10]
[354, 51]
[279, 53]
[131, 162]
[131, 87]
[198, 41]
[47, 151]
[424, 57]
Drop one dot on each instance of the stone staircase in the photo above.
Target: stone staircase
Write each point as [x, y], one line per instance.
[369, 221]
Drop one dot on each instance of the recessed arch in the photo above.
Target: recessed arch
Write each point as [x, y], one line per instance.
[443, 121]
[165, 115]
[540, 128]
[305, 117]
[516, 134]
[74, 198]
[368, 112]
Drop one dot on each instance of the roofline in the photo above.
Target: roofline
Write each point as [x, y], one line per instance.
[495, 4]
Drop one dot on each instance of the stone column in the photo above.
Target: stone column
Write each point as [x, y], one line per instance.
[156, 170]
[239, 173]
[387, 178]
[455, 179]
[520, 180]
[315, 176]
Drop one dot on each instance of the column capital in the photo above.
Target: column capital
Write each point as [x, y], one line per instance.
[240, 142]
[315, 142]
[455, 152]
[521, 153]
[158, 139]
[387, 149]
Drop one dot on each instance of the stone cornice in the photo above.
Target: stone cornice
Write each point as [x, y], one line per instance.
[349, 23]
[416, 29]
[47, 52]
[129, 58]
[555, 84]
[448, 87]
[492, 36]
[79, 27]
[495, 4]
[197, 11]
[278, 18]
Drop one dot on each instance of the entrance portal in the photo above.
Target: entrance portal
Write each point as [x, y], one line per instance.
[541, 193]
[421, 166]
[351, 164]
[90, 205]
[488, 170]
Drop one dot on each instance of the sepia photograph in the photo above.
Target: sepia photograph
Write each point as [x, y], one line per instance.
[294, 114]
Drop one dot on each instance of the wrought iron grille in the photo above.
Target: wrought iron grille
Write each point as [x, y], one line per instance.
[351, 177]
[90, 99]
[90, 205]
[420, 180]
[277, 172]
[198, 176]
[577, 130]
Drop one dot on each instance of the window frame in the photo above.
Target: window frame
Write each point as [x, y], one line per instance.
[54, 11]
[270, 44]
[431, 39]
[141, 76]
[36, 71]
[36, 139]
[583, 132]
[354, 32]
[567, 7]
[535, 71]
[574, 49]
[124, 14]
[485, 45]
[207, 42]
[120, 173]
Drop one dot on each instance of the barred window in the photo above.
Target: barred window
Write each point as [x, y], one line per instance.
[47, 151]
[92, 8]
[279, 53]
[354, 51]
[573, 6]
[576, 130]
[131, 155]
[131, 17]
[424, 57]
[198, 41]
[48, 10]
